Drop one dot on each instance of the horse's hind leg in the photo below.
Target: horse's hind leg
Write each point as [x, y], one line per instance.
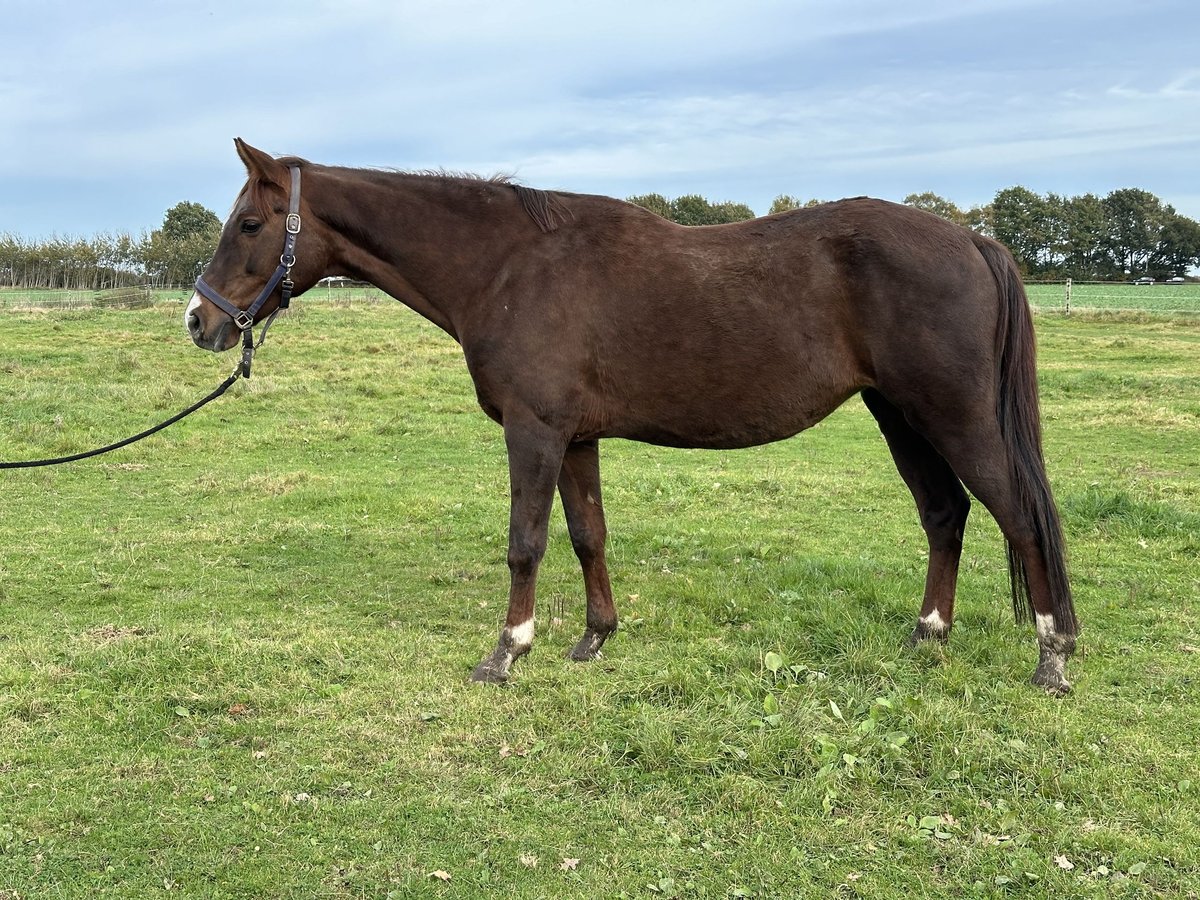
[942, 504]
[976, 450]
[579, 487]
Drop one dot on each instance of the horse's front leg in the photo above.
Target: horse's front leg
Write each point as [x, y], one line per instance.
[535, 458]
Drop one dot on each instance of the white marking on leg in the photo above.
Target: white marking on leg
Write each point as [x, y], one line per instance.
[1045, 627]
[514, 641]
[932, 626]
[1054, 648]
[935, 622]
[520, 637]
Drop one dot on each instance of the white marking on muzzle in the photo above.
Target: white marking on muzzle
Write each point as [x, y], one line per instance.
[192, 306]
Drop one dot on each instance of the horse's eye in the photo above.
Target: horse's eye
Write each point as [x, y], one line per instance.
[251, 227]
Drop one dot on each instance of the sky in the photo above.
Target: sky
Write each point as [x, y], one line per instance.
[111, 113]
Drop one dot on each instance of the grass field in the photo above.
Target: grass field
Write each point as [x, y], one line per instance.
[234, 658]
[1179, 300]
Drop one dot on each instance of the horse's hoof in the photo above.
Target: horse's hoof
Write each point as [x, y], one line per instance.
[491, 671]
[588, 647]
[1052, 681]
[582, 653]
[925, 632]
[1051, 671]
[485, 675]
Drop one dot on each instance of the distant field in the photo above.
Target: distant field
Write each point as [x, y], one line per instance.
[1154, 298]
[234, 658]
[1164, 299]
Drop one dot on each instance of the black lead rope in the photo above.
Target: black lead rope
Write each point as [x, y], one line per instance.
[35, 463]
[243, 319]
[242, 371]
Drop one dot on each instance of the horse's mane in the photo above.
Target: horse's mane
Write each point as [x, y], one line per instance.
[545, 208]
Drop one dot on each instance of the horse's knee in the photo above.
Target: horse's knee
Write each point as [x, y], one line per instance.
[524, 556]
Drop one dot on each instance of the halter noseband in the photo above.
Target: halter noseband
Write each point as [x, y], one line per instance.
[244, 318]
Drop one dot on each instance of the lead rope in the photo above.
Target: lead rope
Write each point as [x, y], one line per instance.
[242, 371]
[243, 319]
[58, 460]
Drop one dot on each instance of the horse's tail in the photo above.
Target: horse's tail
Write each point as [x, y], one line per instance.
[1020, 425]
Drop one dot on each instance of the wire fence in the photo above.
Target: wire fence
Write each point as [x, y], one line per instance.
[347, 294]
[1170, 300]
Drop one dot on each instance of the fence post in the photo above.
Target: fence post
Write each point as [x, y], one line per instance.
[1068, 306]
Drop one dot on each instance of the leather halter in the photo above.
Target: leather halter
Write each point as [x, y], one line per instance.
[244, 318]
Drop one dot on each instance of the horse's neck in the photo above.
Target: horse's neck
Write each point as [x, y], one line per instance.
[431, 243]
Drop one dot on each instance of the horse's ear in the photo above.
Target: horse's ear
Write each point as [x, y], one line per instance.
[261, 165]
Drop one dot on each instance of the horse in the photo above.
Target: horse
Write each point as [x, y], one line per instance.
[583, 317]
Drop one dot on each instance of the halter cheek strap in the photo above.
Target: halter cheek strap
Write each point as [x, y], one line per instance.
[282, 278]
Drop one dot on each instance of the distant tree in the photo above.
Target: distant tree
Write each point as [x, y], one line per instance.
[1022, 222]
[1085, 228]
[656, 203]
[187, 219]
[981, 219]
[175, 253]
[692, 209]
[784, 202]
[939, 206]
[1135, 223]
[731, 212]
[1178, 247]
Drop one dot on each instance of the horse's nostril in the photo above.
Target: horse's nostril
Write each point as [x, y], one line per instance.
[193, 323]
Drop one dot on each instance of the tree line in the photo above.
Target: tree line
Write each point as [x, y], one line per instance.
[173, 254]
[1127, 234]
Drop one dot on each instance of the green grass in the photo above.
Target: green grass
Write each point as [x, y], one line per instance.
[1163, 298]
[1180, 300]
[234, 658]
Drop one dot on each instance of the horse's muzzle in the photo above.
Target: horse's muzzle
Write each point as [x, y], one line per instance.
[217, 339]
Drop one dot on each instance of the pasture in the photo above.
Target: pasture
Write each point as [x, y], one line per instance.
[1181, 301]
[234, 658]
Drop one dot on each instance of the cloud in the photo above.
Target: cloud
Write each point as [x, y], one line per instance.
[737, 101]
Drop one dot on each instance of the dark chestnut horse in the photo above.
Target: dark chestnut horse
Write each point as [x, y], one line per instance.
[583, 317]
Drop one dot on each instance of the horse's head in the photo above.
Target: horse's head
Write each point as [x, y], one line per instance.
[260, 252]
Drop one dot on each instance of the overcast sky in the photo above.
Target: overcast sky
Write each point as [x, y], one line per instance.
[112, 112]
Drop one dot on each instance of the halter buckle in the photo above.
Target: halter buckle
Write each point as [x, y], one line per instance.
[292, 223]
[243, 320]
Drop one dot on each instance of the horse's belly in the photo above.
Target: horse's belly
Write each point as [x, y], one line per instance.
[726, 422]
